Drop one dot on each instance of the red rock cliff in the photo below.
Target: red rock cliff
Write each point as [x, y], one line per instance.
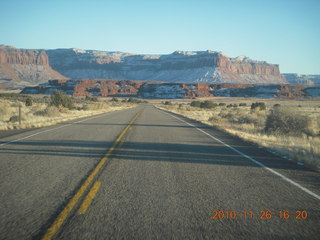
[242, 67]
[23, 56]
[23, 67]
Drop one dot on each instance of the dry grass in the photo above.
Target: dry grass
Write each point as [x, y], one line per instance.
[40, 114]
[301, 146]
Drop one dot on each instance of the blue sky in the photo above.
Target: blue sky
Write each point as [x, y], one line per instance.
[286, 32]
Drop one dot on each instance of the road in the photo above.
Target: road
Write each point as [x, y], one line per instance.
[143, 173]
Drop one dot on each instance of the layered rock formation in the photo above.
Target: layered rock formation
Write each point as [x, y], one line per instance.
[104, 88]
[21, 67]
[180, 66]
[294, 78]
[147, 89]
[10, 55]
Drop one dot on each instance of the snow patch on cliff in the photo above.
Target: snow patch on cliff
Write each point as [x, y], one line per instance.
[204, 74]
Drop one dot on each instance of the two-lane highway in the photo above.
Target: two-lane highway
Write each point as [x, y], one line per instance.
[147, 174]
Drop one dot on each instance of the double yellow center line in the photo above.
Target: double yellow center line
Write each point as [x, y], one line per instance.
[53, 229]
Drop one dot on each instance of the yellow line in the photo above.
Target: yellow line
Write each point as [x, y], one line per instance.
[87, 201]
[53, 229]
[120, 145]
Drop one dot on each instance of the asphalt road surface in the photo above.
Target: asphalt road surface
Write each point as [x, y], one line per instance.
[143, 173]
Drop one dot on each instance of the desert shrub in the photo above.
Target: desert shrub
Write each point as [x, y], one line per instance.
[204, 104]
[131, 100]
[46, 99]
[167, 103]
[59, 99]
[28, 101]
[258, 106]
[114, 99]
[195, 104]
[222, 104]
[276, 105]
[124, 100]
[208, 104]
[86, 107]
[134, 100]
[242, 105]
[92, 99]
[14, 118]
[39, 113]
[9, 95]
[286, 121]
[229, 105]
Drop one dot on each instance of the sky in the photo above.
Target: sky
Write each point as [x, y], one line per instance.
[284, 32]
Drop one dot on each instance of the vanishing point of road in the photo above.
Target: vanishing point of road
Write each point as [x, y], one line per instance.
[143, 173]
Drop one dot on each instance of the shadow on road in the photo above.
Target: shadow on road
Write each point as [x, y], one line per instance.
[85, 149]
[175, 153]
[144, 125]
[200, 153]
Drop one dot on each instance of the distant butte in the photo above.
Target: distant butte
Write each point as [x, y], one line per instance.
[22, 67]
[180, 66]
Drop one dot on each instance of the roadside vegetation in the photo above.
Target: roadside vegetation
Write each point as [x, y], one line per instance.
[40, 111]
[289, 128]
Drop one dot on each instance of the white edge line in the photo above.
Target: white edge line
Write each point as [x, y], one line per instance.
[48, 130]
[251, 159]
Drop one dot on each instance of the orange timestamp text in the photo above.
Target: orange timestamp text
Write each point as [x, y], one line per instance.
[263, 214]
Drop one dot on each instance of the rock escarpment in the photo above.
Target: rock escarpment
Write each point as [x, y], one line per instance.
[180, 66]
[302, 79]
[162, 90]
[21, 67]
[10, 55]
[124, 88]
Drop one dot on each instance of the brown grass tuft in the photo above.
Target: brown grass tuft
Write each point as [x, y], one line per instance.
[42, 114]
